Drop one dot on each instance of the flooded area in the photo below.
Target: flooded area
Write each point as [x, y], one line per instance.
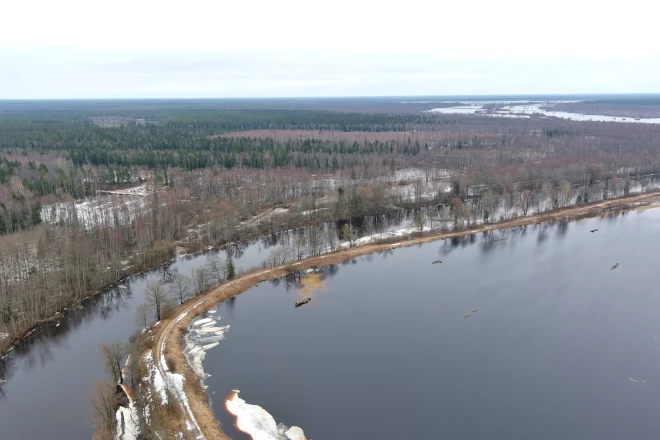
[513, 109]
[521, 333]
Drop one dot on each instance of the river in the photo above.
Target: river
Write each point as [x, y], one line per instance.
[51, 377]
[560, 345]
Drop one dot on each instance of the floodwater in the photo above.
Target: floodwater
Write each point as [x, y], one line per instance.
[51, 377]
[560, 347]
[528, 110]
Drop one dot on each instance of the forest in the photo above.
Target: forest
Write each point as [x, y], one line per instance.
[212, 176]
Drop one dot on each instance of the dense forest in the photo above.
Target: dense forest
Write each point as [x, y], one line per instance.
[208, 177]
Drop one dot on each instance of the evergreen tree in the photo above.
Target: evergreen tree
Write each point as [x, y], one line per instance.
[231, 270]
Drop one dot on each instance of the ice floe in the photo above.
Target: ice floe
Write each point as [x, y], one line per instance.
[203, 334]
[258, 423]
[128, 423]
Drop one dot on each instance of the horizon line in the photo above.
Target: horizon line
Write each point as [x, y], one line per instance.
[463, 96]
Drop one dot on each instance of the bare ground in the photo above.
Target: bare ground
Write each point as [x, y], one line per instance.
[174, 327]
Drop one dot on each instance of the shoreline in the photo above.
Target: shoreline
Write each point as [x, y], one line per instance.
[198, 409]
[55, 318]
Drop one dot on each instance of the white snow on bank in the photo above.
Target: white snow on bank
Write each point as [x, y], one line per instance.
[312, 211]
[383, 236]
[155, 377]
[258, 423]
[173, 383]
[4, 336]
[181, 316]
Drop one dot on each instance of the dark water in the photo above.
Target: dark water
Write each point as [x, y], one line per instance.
[384, 350]
[50, 379]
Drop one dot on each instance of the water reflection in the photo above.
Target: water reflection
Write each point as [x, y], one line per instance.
[547, 323]
[65, 357]
[37, 349]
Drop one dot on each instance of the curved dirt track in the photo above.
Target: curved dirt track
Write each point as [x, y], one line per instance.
[173, 353]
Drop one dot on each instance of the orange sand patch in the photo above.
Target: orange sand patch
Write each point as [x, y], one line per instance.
[311, 282]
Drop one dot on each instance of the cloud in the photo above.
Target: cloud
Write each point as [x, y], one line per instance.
[206, 48]
[76, 73]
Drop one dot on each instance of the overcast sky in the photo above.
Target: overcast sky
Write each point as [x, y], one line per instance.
[290, 48]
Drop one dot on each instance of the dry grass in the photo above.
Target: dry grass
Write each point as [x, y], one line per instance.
[173, 351]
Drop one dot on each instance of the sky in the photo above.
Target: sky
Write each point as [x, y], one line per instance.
[74, 49]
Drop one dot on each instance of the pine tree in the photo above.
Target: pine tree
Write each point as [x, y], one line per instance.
[231, 270]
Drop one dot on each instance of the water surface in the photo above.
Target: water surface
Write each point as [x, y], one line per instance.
[51, 377]
[384, 350]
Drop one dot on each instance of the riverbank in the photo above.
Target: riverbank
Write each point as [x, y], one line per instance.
[162, 258]
[197, 411]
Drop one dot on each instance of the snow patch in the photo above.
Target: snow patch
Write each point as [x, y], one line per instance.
[181, 316]
[3, 336]
[384, 235]
[156, 378]
[173, 383]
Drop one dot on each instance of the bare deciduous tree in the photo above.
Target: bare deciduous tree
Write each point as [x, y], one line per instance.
[156, 297]
[142, 316]
[113, 356]
[525, 200]
[200, 280]
[349, 233]
[216, 268]
[181, 287]
[104, 404]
